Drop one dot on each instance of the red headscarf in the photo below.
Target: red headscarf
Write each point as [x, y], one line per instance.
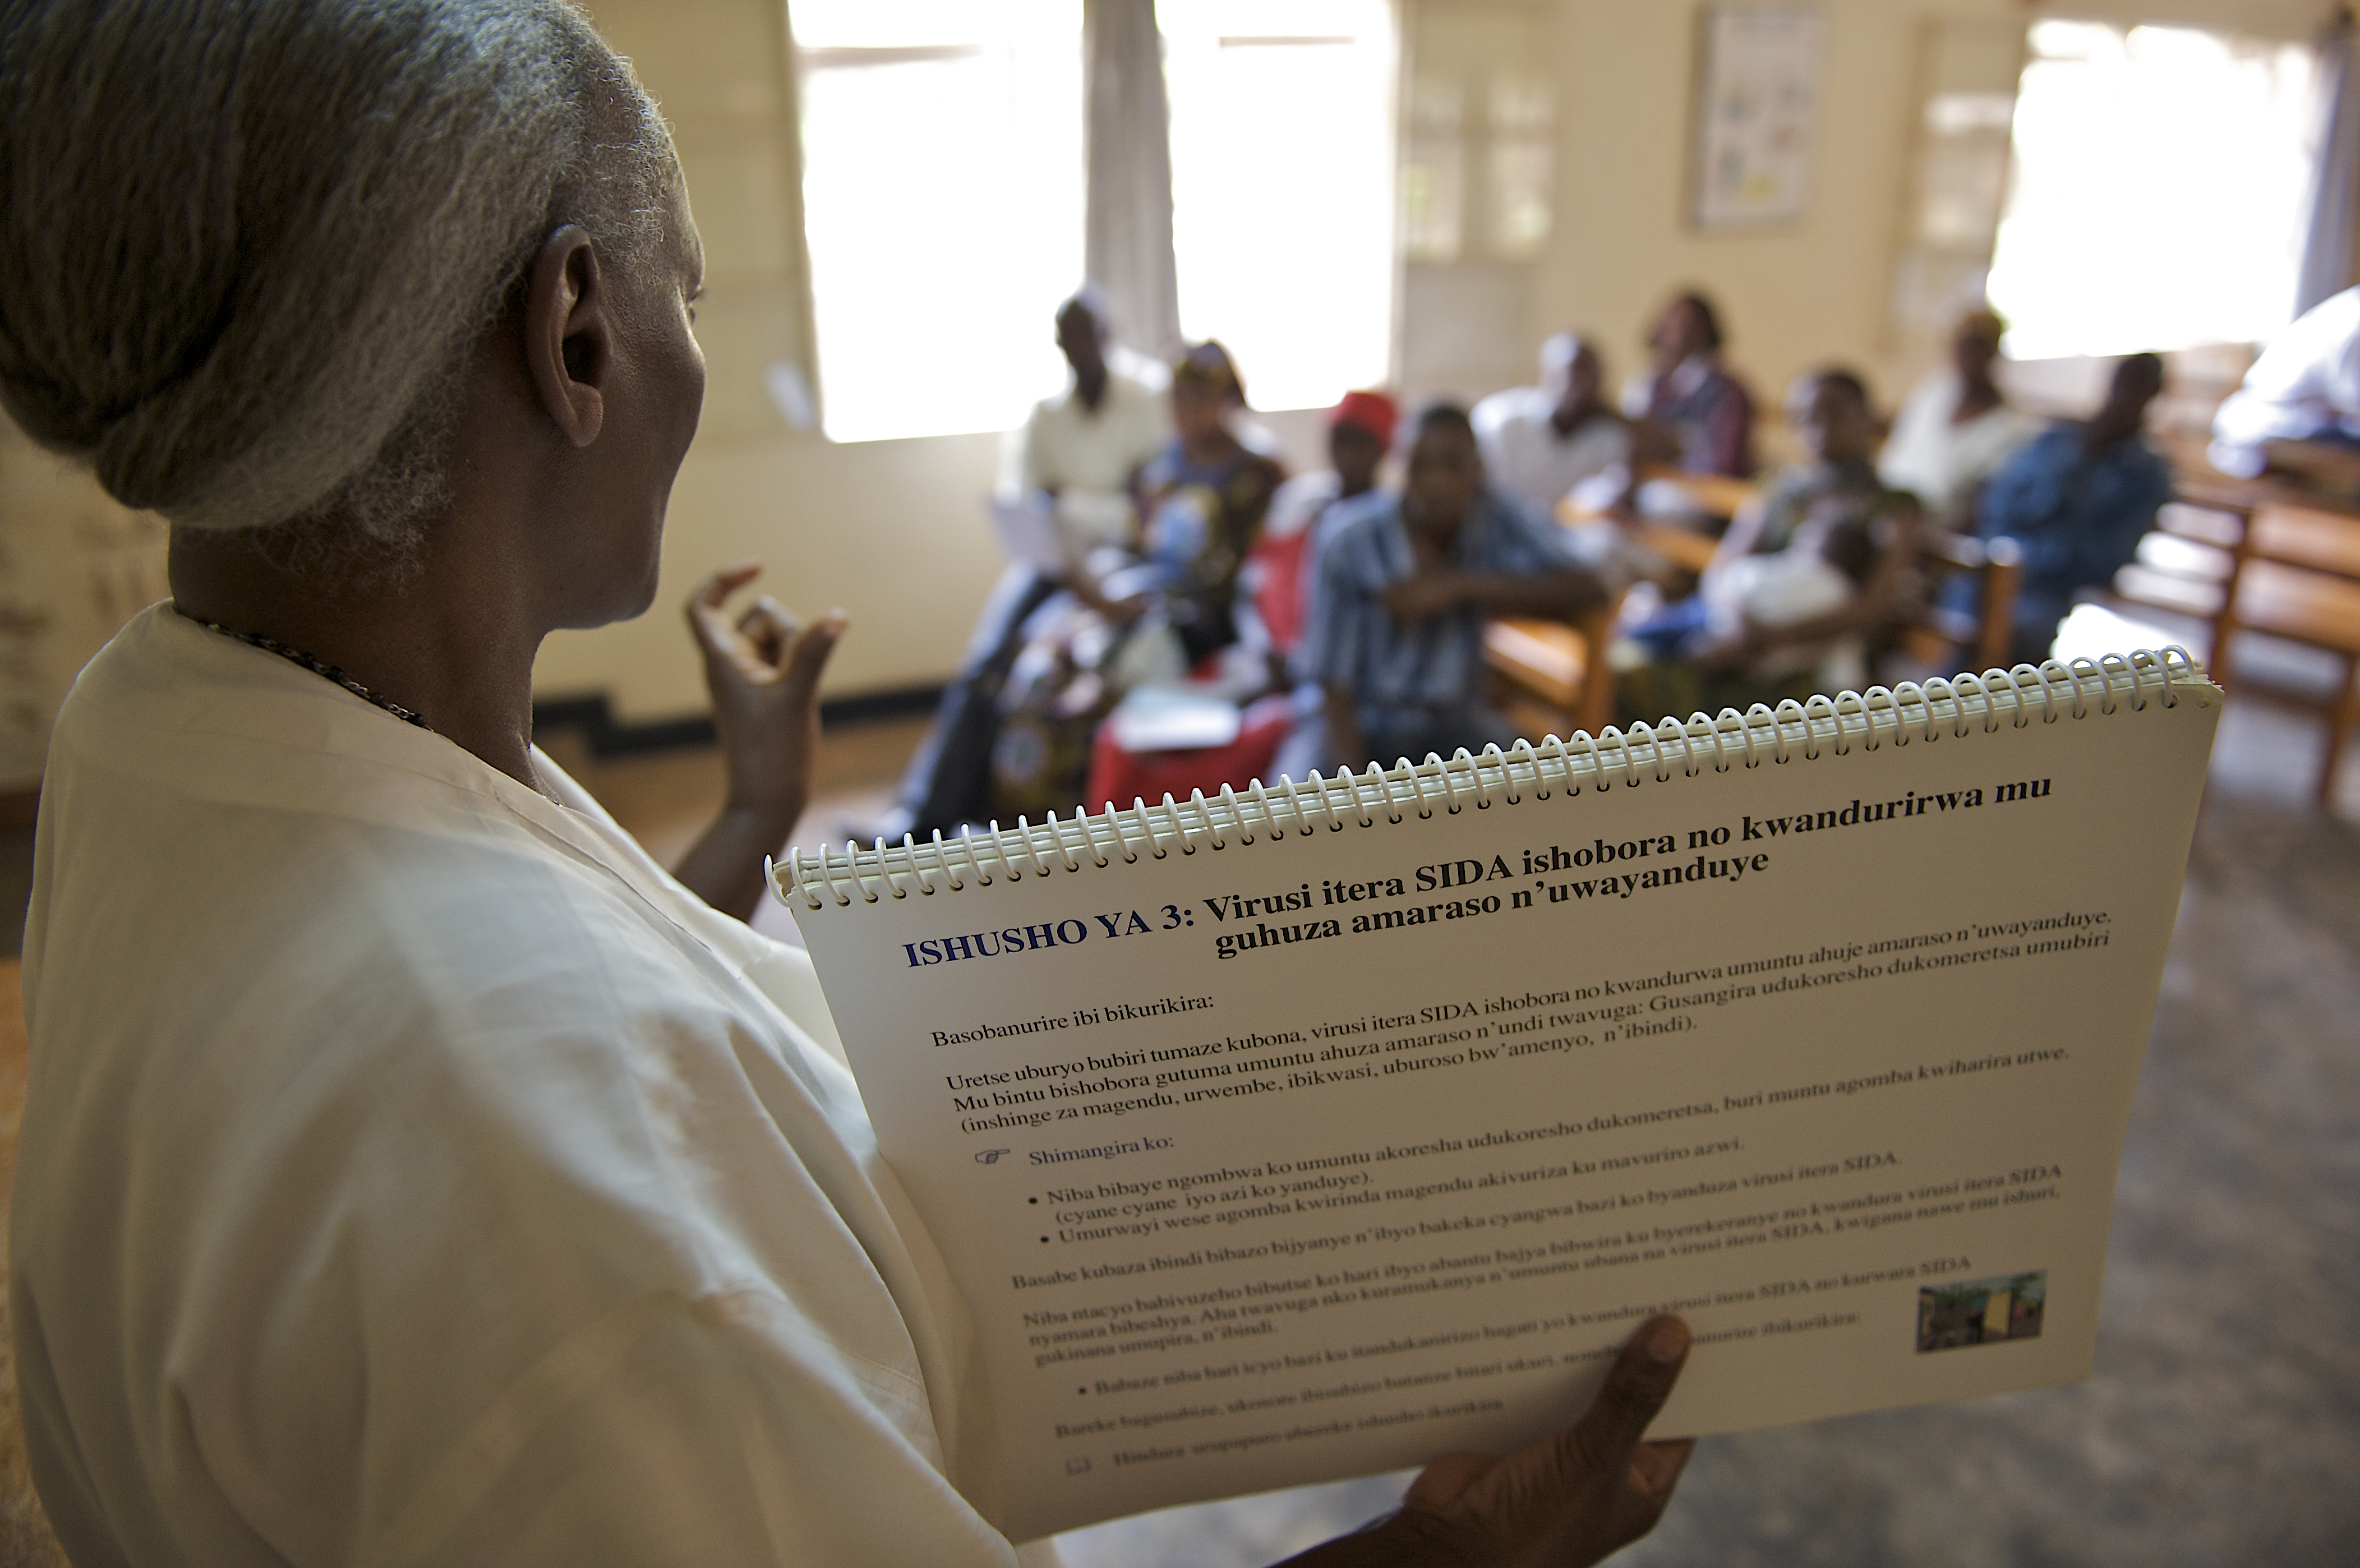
[1371, 411]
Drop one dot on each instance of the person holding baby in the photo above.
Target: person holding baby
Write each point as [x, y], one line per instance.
[1802, 578]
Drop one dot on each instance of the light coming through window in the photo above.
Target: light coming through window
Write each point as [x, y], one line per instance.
[942, 205]
[2160, 189]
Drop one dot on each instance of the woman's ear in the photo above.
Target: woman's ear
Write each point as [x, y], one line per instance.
[568, 332]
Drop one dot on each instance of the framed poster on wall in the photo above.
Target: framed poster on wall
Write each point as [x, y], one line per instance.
[1757, 101]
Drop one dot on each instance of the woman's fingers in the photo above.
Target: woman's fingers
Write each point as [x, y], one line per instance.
[1635, 1393]
[759, 645]
[794, 670]
[782, 647]
[725, 582]
[1440, 1483]
[765, 656]
[768, 628]
[1573, 1498]
[1568, 1501]
[1657, 1467]
[706, 622]
[812, 650]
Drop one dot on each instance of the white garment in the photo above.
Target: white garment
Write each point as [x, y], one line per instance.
[1786, 588]
[1524, 456]
[1782, 588]
[2306, 384]
[1941, 462]
[1086, 455]
[412, 1172]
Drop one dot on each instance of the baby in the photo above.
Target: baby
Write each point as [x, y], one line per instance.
[1823, 568]
[1799, 581]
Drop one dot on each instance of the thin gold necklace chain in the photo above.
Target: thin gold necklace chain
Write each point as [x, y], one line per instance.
[317, 666]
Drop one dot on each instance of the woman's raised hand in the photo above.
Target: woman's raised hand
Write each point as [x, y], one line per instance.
[763, 670]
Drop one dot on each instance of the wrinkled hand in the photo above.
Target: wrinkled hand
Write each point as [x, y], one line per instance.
[1422, 596]
[1566, 1502]
[763, 672]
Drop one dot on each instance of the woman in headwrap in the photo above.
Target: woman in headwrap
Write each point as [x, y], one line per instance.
[1360, 434]
[1692, 412]
[412, 1171]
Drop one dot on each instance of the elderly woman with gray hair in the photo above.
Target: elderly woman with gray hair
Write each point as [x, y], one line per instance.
[413, 1171]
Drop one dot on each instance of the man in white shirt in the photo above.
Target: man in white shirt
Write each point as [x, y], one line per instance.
[1540, 442]
[2299, 406]
[1073, 458]
[412, 1172]
[1956, 428]
[1081, 447]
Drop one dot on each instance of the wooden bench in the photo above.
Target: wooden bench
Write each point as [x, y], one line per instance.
[1926, 631]
[2250, 557]
[1923, 629]
[1550, 677]
[1549, 673]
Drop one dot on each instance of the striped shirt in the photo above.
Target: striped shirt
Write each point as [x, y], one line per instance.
[1403, 673]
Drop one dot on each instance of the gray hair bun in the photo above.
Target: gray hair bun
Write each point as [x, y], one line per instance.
[245, 244]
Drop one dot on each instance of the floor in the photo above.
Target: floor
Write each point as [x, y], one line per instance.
[2224, 1423]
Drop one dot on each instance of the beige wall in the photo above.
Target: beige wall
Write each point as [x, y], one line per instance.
[891, 532]
[1789, 295]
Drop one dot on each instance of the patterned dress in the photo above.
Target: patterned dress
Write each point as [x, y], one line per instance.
[1197, 524]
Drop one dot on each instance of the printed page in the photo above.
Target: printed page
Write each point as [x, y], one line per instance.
[1324, 1153]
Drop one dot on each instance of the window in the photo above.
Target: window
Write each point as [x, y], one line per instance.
[2159, 189]
[1282, 188]
[1515, 144]
[943, 189]
[1967, 75]
[944, 185]
[1523, 164]
[1434, 170]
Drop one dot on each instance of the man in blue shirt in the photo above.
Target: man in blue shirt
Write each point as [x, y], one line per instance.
[1406, 582]
[2076, 500]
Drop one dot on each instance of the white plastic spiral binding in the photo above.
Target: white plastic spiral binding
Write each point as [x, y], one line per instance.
[1649, 754]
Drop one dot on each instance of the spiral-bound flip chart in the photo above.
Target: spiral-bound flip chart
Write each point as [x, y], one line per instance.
[1321, 1128]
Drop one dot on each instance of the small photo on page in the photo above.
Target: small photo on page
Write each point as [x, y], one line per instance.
[1980, 1312]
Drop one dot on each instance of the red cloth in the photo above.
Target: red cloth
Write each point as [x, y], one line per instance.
[1122, 777]
[1278, 596]
[1373, 411]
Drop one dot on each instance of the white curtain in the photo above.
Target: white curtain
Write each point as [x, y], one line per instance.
[1129, 250]
[2335, 206]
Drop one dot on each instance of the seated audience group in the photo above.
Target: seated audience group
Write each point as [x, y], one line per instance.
[1190, 559]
